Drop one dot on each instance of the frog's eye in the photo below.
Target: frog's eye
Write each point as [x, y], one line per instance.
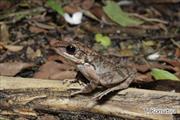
[70, 49]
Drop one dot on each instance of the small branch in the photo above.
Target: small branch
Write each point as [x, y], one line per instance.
[148, 19]
[175, 43]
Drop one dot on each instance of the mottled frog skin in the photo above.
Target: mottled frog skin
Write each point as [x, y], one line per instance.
[98, 69]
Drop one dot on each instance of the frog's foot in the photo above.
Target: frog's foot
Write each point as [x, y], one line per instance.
[75, 93]
[73, 80]
[87, 89]
[100, 95]
[76, 81]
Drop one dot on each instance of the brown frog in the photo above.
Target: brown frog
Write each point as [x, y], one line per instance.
[98, 69]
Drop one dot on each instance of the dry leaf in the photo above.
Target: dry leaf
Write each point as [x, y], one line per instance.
[13, 48]
[45, 26]
[61, 75]
[70, 9]
[87, 4]
[126, 52]
[12, 68]
[97, 11]
[174, 63]
[31, 54]
[34, 29]
[4, 33]
[5, 4]
[177, 53]
[143, 78]
[54, 70]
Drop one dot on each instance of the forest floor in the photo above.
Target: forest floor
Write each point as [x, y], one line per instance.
[146, 32]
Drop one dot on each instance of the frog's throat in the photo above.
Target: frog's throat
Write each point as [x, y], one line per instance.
[72, 58]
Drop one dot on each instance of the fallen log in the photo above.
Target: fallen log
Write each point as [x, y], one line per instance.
[30, 98]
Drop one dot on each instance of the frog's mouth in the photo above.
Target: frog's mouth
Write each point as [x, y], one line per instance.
[70, 57]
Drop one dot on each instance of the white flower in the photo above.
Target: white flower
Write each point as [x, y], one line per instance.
[75, 19]
[153, 56]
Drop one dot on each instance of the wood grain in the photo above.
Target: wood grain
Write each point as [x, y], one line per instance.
[27, 97]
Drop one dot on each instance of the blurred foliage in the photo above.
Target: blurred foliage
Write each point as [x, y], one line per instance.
[159, 74]
[55, 6]
[114, 12]
[103, 40]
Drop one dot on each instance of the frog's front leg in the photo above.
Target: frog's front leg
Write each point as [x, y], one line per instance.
[89, 73]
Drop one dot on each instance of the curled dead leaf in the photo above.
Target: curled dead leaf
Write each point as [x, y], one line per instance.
[12, 68]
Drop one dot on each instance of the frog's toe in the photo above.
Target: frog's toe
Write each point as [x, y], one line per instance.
[75, 93]
[98, 97]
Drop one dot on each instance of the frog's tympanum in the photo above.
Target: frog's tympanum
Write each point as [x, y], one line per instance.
[99, 70]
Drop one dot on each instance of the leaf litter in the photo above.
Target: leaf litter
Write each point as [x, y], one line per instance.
[29, 31]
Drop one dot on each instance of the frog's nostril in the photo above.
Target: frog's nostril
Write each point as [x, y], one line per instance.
[70, 49]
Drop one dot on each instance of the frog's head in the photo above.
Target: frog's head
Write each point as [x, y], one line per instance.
[74, 51]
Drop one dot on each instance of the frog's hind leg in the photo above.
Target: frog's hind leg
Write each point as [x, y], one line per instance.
[121, 86]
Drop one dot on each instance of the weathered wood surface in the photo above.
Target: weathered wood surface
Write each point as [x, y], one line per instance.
[26, 97]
